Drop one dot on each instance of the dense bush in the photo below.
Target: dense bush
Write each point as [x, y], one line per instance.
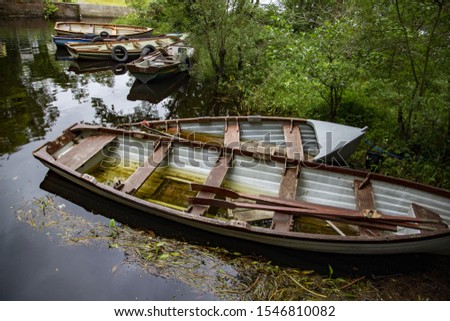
[49, 9]
[379, 64]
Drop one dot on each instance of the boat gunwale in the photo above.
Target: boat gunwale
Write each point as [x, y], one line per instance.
[135, 68]
[138, 30]
[96, 23]
[75, 44]
[42, 154]
[251, 119]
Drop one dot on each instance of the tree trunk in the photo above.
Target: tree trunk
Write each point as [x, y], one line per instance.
[400, 122]
[222, 54]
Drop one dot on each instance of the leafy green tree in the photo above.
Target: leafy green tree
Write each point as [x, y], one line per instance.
[225, 29]
[419, 22]
[333, 59]
[409, 40]
[306, 15]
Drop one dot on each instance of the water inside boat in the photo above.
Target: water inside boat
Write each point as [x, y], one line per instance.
[161, 172]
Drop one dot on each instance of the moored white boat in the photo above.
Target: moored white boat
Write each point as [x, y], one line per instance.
[105, 30]
[310, 139]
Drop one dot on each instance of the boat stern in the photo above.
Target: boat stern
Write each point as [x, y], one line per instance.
[336, 142]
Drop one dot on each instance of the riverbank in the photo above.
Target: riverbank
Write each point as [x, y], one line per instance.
[84, 10]
[65, 10]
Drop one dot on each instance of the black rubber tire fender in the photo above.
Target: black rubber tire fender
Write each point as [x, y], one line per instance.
[120, 69]
[121, 37]
[147, 49]
[97, 39]
[119, 53]
[104, 34]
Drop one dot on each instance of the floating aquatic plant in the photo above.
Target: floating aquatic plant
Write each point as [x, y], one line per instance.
[228, 275]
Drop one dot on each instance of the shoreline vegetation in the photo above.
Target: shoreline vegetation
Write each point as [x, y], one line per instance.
[355, 63]
[119, 3]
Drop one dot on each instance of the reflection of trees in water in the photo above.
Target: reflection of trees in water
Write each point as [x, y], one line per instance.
[198, 100]
[78, 84]
[109, 115]
[27, 77]
[30, 79]
[23, 119]
[150, 97]
[181, 95]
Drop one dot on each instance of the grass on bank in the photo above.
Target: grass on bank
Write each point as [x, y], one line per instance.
[120, 3]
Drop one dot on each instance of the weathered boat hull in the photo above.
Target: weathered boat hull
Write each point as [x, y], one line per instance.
[157, 65]
[154, 92]
[132, 49]
[187, 161]
[147, 75]
[81, 55]
[60, 41]
[320, 141]
[109, 30]
[91, 66]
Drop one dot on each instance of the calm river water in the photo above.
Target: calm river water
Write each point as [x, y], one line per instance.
[42, 92]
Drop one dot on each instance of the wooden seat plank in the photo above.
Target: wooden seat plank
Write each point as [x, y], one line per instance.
[215, 178]
[289, 181]
[422, 212]
[293, 139]
[365, 200]
[85, 149]
[232, 135]
[139, 176]
[288, 190]
[219, 171]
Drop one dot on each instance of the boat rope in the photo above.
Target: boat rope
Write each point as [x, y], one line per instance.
[380, 150]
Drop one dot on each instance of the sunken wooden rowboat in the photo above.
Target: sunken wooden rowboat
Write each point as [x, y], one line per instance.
[105, 30]
[162, 63]
[292, 204]
[120, 51]
[311, 140]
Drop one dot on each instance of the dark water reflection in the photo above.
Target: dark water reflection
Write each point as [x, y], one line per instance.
[42, 93]
[38, 83]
